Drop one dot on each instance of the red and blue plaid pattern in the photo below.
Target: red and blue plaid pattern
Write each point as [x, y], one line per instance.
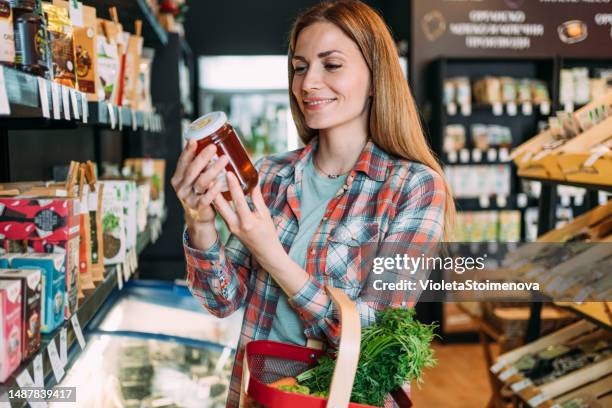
[386, 201]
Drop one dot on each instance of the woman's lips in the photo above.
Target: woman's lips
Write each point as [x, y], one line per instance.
[317, 104]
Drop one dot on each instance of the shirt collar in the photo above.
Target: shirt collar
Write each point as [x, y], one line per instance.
[372, 161]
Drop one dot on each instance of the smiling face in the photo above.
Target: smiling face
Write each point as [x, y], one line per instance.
[331, 81]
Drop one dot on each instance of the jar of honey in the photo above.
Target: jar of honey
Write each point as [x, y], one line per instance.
[213, 128]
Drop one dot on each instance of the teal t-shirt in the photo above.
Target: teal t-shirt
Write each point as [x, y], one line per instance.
[317, 191]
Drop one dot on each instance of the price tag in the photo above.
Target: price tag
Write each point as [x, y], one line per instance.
[4, 401]
[147, 120]
[484, 201]
[578, 200]
[501, 201]
[120, 117]
[521, 200]
[111, 114]
[477, 155]
[5, 108]
[76, 326]
[134, 121]
[66, 101]
[498, 109]
[511, 108]
[521, 385]
[75, 103]
[527, 108]
[84, 107]
[126, 270]
[56, 363]
[63, 342]
[452, 156]
[55, 98]
[464, 155]
[491, 154]
[466, 109]
[504, 154]
[496, 368]
[39, 375]
[538, 400]
[493, 247]
[568, 107]
[24, 379]
[545, 108]
[43, 92]
[507, 373]
[119, 277]
[451, 109]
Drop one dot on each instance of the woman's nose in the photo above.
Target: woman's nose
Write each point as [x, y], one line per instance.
[312, 80]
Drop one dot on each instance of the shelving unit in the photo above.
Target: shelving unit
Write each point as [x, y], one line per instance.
[86, 311]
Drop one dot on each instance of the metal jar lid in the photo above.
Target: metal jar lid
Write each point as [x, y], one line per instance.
[205, 125]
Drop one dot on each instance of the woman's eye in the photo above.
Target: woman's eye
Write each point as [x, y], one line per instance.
[299, 69]
[332, 67]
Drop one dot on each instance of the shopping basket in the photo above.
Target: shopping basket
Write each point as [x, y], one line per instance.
[268, 361]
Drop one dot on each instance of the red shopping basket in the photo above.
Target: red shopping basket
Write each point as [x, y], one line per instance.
[268, 361]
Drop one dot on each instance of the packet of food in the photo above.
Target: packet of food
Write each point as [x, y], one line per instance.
[62, 45]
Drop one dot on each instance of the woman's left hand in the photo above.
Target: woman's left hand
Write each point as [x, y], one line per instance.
[255, 228]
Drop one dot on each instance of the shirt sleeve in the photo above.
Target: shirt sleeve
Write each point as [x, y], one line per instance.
[417, 228]
[219, 276]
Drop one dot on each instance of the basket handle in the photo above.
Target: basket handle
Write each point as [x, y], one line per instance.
[348, 350]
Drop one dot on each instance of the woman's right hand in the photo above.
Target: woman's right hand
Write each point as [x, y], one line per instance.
[196, 185]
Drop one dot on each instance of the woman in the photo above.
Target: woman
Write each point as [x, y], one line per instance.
[365, 176]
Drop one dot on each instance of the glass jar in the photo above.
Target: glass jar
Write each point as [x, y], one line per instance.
[213, 128]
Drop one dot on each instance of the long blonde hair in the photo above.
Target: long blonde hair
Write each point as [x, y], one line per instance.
[394, 122]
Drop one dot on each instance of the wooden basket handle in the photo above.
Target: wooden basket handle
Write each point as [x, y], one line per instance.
[348, 350]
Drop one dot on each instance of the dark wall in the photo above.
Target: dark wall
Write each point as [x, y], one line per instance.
[245, 27]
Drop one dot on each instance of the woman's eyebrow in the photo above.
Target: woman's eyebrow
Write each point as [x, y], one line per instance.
[320, 55]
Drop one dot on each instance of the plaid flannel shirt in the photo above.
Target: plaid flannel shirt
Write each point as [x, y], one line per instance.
[385, 200]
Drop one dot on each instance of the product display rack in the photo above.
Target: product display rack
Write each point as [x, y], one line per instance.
[87, 310]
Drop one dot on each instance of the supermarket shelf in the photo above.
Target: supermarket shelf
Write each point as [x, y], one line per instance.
[478, 204]
[26, 107]
[467, 157]
[587, 186]
[86, 312]
[130, 11]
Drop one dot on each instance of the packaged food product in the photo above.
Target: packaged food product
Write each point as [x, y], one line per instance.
[53, 294]
[509, 226]
[487, 91]
[524, 91]
[31, 289]
[454, 138]
[30, 42]
[144, 101]
[5, 258]
[153, 170]
[508, 90]
[480, 136]
[131, 69]
[48, 225]
[83, 20]
[539, 92]
[10, 327]
[113, 222]
[449, 91]
[581, 85]
[464, 92]
[7, 38]
[85, 270]
[95, 228]
[214, 128]
[108, 62]
[62, 45]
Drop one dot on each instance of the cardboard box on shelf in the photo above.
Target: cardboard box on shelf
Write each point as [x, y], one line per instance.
[53, 292]
[47, 225]
[10, 328]
[31, 289]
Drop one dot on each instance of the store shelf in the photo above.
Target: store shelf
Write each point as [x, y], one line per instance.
[85, 313]
[26, 106]
[469, 157]
[599, 313]
[553, 182]
[478, 204]
[130, 11]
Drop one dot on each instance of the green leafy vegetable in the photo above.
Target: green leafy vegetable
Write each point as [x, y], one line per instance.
[109, 222]
[394, 350]
[298, 389]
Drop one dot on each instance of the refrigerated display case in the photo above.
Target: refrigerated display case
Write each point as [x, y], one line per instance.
[153, 345]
